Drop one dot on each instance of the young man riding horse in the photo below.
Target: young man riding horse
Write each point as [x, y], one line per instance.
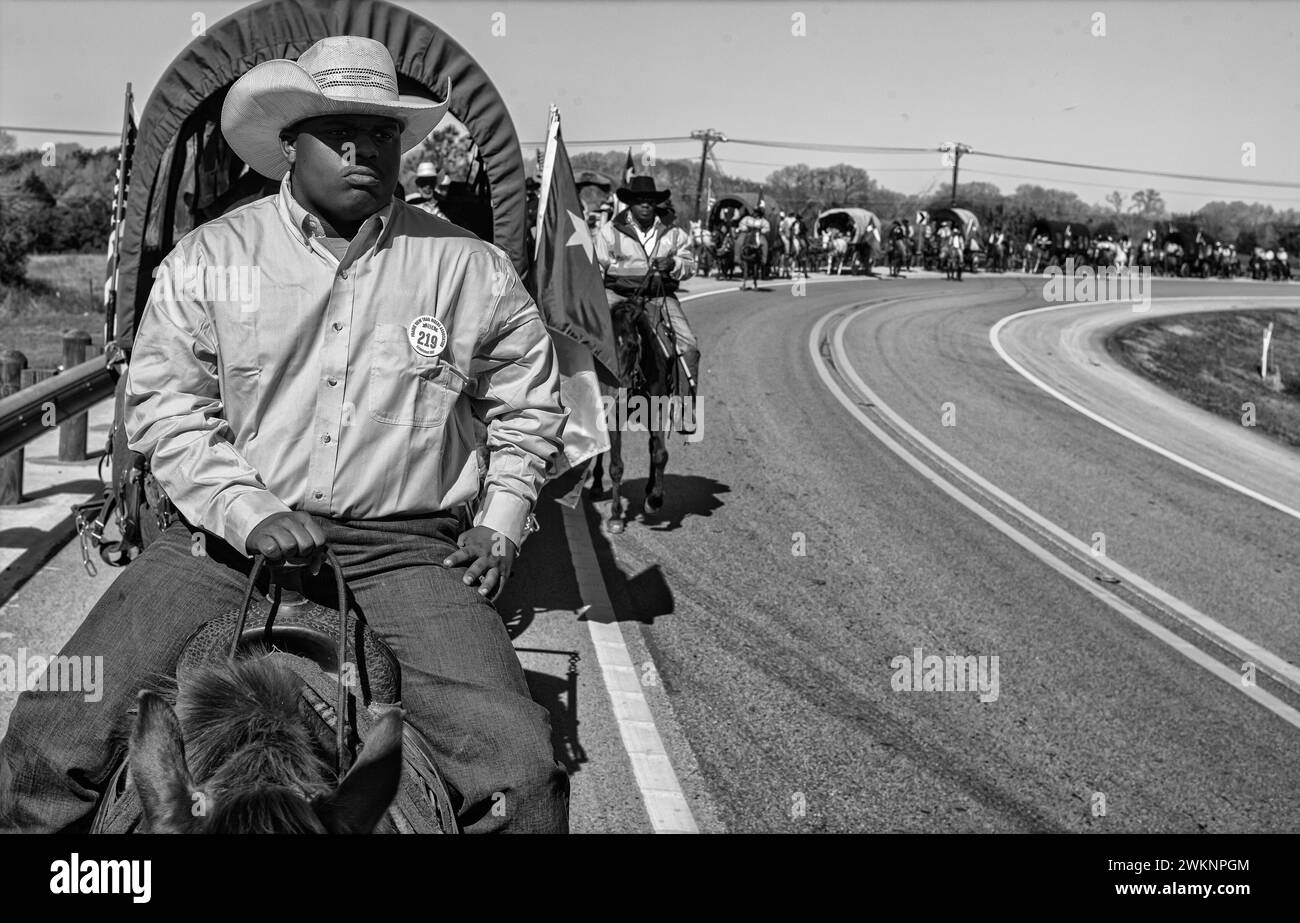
[336, 411]
[635, 242]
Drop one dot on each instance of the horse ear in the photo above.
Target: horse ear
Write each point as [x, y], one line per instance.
[365, 793]
[159, 772]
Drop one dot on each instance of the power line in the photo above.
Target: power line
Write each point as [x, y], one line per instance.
[1073, 182]
[61, 131]
[1191, 176]
[774, 163]
[568, 143]
[837, 148]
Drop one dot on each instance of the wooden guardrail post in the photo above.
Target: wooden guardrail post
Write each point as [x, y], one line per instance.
[12, 363]
[72, 432]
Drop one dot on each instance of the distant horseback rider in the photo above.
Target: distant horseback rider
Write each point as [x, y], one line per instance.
[786, 227]
[757, 222]
[637, 242]
[867, 246]
[896, 233]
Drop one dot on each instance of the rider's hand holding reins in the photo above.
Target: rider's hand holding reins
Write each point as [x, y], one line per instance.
[663, 264]
[288, 538]
[492, 554]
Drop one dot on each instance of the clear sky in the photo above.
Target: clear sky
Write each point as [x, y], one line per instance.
[1172, 86]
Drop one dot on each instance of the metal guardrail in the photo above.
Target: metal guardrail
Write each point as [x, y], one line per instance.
[36, 376]
[24, 416]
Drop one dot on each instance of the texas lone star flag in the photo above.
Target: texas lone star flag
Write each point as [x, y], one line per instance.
[571, 296]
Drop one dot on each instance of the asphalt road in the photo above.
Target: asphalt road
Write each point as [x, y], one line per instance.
[777, 666]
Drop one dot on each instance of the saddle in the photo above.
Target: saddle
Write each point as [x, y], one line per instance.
[312, 641]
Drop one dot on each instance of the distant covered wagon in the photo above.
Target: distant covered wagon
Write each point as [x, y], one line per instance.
[962, 219]
[860, 226]
[733, 206]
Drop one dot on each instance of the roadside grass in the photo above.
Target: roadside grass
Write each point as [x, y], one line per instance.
[64, 291]
[1212, 361]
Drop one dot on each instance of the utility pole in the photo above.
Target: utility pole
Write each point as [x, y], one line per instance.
[708, 137]
[956, 149]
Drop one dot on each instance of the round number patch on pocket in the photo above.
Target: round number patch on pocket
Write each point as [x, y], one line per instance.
[427, 335]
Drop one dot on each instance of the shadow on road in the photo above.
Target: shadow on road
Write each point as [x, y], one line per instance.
[559, 696]
[543, 578]
[543, 581]
[645, 596]
[684, 495]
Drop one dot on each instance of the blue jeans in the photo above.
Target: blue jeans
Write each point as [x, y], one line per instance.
[462, 684]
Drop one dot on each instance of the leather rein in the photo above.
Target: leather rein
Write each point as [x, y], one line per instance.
[340, 704]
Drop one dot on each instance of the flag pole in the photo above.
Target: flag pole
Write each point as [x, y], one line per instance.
[548, 169]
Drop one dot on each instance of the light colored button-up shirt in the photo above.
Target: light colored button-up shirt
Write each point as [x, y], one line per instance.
[648, 236]
[270, 375]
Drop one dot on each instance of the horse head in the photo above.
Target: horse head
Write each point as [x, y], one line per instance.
[642, 368]
[237, 755]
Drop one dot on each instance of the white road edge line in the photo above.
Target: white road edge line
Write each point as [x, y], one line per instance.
[774, 282]
[1115, 427]
[1197, 656]
[665, 802]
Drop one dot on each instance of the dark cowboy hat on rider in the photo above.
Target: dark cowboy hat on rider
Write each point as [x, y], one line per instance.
[642, 189]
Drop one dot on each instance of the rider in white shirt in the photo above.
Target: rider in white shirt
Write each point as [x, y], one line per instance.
[637, 241]
[755, 222]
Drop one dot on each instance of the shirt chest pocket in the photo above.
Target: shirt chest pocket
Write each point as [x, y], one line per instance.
[406, 388]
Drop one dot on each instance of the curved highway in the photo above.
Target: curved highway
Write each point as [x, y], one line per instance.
[1142, 613]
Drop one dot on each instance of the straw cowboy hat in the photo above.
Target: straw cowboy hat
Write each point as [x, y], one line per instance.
[342, 74]
[642, 189]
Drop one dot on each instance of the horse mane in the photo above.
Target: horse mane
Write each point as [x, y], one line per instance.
[243, 723]
[248, 744]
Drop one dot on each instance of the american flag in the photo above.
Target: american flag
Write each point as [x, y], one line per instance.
[122, 182]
